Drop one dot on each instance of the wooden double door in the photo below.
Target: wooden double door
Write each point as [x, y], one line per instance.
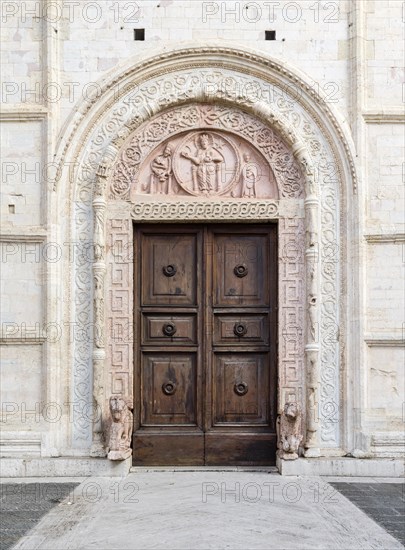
[206, 345]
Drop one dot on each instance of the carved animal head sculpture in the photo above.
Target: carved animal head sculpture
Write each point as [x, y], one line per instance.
[291, 411]
[118, 408]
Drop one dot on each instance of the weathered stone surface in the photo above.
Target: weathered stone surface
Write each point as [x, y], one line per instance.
[120, 430]
[315, 146]
[211, 509]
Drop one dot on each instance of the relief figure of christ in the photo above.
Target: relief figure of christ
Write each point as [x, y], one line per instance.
[207, 163]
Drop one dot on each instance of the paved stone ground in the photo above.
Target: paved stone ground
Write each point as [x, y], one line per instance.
[24, 504]
[384, 502]
[204, 510]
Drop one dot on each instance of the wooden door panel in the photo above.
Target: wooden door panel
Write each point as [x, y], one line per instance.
[168, 449]
[169, 269]
[243, 449]
[240, 330]
[240, 270]
[240, 389]
[168, 384]
[168, 330]
[205, 368]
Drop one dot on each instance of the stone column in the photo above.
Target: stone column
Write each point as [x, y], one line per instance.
[313, 293]
[312, 325]
[99, 352]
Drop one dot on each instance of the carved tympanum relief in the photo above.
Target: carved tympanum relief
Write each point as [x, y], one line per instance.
[205, 151]
[205, 164]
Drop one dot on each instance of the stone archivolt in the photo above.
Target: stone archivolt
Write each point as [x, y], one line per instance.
[177, 87]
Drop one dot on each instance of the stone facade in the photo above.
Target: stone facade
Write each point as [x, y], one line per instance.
[95, 125]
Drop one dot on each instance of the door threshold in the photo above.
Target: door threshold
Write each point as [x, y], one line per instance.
[262, 469]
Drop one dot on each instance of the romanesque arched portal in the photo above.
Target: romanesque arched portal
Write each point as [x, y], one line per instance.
[250, 114]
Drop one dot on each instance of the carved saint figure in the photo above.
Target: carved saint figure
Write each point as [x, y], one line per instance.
[249, 177]
[289, 431]
[161, 178]
[121, 429]
[207, 165]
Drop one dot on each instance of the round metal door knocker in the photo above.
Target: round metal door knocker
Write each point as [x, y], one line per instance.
[169, 329]
[169, 270]
[240, 329]
[241, 388]
[169, 388]
[241, 270]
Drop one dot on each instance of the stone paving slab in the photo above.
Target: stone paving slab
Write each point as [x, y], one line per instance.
[204, 510]
[384, 502]
[24, 504]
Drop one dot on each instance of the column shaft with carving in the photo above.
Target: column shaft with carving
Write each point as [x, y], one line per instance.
[99, 352]
[312, 325]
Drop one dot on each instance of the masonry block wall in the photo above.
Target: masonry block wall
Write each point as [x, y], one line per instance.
[54, 54]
